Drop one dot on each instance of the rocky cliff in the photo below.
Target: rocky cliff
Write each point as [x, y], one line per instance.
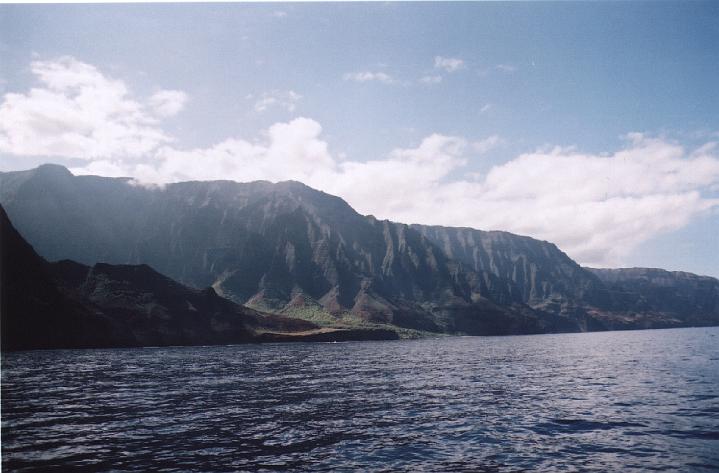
[272, 246]
[71, 305]
[686, 298]
[532, 271]
[293, 250]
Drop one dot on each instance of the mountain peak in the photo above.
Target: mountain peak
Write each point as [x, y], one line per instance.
[53, 170]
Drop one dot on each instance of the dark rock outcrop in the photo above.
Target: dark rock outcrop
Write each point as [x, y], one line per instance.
[34, 312]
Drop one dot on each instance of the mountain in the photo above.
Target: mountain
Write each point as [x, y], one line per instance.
[677, 297]
[281, 247]
[34, 313]
[71, 305]
[296, 251]
[534, 272]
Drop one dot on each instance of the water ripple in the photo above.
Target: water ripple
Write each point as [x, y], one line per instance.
[629, 401]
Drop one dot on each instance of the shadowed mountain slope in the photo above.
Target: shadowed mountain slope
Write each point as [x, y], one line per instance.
[70, 305]
[34, 312]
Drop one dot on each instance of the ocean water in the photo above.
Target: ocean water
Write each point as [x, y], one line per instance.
[613, 401]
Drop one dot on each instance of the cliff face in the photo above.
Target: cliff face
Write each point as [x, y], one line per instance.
[268, 245]
[686, 297]
[70, 305]
[535, 272]
[290, 249]
[34, 312]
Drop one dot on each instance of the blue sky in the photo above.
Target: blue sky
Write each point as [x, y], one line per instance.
[449, 103]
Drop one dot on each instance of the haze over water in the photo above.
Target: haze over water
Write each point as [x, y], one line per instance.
[612, 401]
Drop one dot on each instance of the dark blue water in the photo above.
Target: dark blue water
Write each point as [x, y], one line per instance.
[629, 401]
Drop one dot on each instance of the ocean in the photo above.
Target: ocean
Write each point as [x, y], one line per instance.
[605, 401]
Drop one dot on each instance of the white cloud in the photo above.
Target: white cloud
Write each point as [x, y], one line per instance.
[287, 100]
[369, 76]
[487, 144]
[507, 68]
[432, 79]
[167, 103]
[597, 208]
[485, 108]
[79, 112]
[279, 13]
[449, 64]
[289, 150]
[706, 148]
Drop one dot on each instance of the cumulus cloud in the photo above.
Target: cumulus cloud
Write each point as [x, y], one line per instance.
[369, 76]
[291, 150]
[77, 111]
[432, 79]
[167, 103]
[596, 207]
[488, 144]
[287, 100]
[448, 64]
[507, 68]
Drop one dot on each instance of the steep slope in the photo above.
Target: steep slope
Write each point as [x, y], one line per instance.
[34, 312]
[70, 305]
[536, 272]
[685, 298]
[293, 250]
[156, 310]
[272, 246]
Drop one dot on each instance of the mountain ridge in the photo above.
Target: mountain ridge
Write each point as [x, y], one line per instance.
[70, 305]
[277, 246]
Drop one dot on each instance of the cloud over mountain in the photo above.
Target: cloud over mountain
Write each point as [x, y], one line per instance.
[78, 111]
[596, 207]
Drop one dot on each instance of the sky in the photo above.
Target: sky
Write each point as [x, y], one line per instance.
[591, 125]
